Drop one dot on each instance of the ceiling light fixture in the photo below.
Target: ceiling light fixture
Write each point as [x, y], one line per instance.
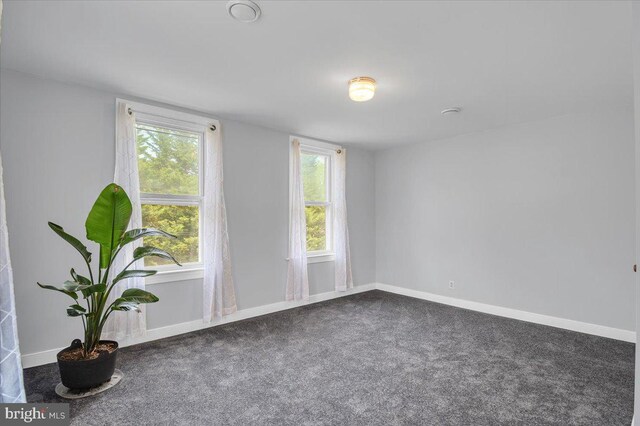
[243, 10]
[362, 89]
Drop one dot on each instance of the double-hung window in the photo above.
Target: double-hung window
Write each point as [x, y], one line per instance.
[317, 164]
[170, 148]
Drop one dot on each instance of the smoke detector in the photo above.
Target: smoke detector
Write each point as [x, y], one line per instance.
[243, 10]
[451, 111]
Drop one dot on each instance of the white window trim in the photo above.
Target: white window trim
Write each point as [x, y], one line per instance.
[152, 114]
[325, 148]
[175, 276]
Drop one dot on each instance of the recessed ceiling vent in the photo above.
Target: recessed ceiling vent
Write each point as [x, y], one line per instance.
[451, 111]
[243, 10]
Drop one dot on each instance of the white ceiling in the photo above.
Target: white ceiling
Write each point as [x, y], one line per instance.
[503, 62]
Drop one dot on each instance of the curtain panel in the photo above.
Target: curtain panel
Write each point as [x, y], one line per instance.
[297, 277]
[122, 325]
[343, 277]
[219, 294]
[11, 385]
[11, 382]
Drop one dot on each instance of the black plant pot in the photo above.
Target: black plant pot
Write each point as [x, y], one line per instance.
[87, 373]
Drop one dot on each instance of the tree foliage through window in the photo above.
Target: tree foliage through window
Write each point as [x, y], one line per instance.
[168, 164]
[315, 168]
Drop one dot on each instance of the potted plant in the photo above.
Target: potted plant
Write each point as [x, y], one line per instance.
[90, 363]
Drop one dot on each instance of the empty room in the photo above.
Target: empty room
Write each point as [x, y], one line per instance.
[319, 212]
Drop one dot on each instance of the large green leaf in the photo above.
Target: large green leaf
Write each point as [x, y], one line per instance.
[73, 286]
[79, 278]
[134, 234]
[108, 220]
[132, 274]
[138, 296]
[82, 249]
[145, 251]
[131, 298]
[96, 288]
[61, 290]
[125, 305]
[76, 310]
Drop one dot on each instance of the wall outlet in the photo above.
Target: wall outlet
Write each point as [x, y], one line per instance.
[452, 284]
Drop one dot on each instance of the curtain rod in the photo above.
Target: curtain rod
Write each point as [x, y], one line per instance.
[212, 127]
[337, 150]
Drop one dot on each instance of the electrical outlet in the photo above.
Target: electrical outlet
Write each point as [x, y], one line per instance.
[452, 284]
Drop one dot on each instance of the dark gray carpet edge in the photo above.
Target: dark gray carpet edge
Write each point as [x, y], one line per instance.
[372, 358]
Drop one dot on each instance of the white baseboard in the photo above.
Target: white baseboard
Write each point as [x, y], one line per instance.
[582, 327]
[49, 356]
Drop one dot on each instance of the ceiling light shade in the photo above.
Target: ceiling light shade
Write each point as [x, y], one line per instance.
[362, 89]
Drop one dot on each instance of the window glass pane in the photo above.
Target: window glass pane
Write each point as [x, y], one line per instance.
[316, 227]
[314, 176]
[168, 160]
[181, 221]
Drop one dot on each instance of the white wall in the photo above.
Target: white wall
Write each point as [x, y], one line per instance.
[58, 153]
[537, 217]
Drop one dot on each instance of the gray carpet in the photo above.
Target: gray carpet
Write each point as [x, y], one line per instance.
[369, 359]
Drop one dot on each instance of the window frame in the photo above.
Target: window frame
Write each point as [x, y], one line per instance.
[311, 146]
[163, 117]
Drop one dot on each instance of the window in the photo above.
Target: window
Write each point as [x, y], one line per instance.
[170, 170]
[171, 151]
[317, 161]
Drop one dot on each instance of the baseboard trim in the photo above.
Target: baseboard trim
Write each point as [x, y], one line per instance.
[582, 327]
[49, 356]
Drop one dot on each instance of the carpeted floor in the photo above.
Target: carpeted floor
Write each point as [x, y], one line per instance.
[369, 359]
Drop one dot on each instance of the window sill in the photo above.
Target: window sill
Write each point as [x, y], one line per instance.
[175, 275]
[319, 258]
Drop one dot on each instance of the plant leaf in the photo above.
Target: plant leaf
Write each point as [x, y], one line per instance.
[96, 288]
[138, 296]
[75, 310]
[78, 308]
[79, 278]
[125, 305]
[73, 286]
[108, 220]
[131, 298]
[134, 234]
[145, 251]
[82, 249]
[132, 274]
[61, 290]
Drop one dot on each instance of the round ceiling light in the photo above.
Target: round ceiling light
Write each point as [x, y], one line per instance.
[243, 10]
[362, 89]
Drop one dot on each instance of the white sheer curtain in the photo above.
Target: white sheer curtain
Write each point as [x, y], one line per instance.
[219, 294]
[11, 385]
[343, 275]
[121, 325]
[297, 278]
